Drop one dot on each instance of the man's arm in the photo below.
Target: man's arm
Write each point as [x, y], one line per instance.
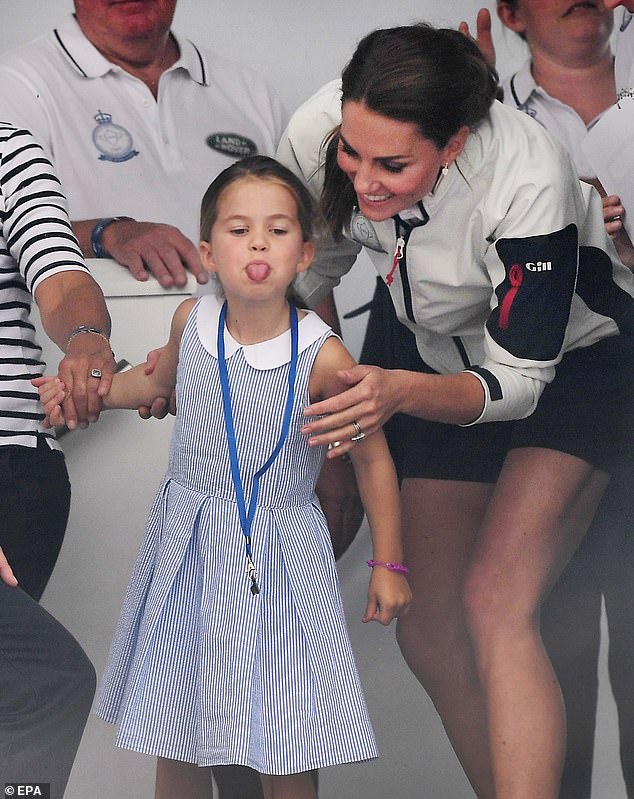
[143, 247]
[75, 317]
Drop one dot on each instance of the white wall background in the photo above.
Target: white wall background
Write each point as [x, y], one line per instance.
[299, 45]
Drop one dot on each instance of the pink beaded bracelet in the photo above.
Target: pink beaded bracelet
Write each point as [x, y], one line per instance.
[393, 567]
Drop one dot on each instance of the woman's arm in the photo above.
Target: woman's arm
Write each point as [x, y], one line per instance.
[377, 394]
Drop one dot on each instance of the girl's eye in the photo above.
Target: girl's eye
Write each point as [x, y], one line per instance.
[238, 231]
[279, 231]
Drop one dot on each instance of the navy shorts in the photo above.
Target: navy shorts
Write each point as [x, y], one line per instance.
[586, 411]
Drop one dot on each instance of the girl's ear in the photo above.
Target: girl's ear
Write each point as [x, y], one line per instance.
[308, 253]
[206, 256]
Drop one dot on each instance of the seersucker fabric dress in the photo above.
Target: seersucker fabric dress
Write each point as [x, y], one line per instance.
[201, 669]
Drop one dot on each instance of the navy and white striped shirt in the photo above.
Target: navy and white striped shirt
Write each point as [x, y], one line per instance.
[36, 241]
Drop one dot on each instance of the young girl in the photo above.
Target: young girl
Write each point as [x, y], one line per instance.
[232, 645]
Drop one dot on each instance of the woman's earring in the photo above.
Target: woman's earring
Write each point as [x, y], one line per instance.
[443, 171]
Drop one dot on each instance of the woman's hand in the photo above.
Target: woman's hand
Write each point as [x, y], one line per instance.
[372, 400]
[613, 213]
[483, 37]
[389, 596]
[6, 572]
[161, 405]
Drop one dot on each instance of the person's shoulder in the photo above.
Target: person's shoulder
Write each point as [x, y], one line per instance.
[517, 88]
[29, 53]
[17, 139]
[218, 68]
[323, 108]
[518, 135]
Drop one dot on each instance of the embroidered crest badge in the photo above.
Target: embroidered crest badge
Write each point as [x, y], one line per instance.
[362, 231]
[232, 144]
[113, 141]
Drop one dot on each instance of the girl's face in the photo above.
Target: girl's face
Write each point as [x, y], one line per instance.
[389, 163]
[553, 25]
[256, 245]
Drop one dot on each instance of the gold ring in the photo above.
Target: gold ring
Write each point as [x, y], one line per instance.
[334, 444]
[359, 435]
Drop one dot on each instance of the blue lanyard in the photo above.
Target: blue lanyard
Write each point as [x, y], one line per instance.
[246, 515]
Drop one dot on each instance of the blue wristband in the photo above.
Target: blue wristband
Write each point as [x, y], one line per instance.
[97, 233]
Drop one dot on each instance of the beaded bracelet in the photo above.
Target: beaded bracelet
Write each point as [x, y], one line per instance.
[393, 567]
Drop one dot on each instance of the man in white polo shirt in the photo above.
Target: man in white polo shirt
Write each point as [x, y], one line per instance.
[137, 122]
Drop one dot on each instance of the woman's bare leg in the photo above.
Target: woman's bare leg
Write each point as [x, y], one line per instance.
[440, 524]
[178, 780]
[542, 506]
[289, 786]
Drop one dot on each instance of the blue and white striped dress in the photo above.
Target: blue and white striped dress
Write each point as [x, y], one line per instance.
[202, 670]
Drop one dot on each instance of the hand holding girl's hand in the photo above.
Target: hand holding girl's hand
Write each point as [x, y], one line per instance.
[6, 572]
[372, 400]
[389, 596]
[52, 394]
[161, 405]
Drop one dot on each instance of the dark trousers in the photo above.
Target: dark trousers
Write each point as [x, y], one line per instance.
[46, 681]
[34, 503]
[47, 685]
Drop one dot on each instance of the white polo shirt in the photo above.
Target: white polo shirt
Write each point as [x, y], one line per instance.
[624, 66]
[561, 120]
[117, 150]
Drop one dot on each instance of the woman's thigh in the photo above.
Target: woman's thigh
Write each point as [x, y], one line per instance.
[541, 508]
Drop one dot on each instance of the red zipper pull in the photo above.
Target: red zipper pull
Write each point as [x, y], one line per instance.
[398, 254]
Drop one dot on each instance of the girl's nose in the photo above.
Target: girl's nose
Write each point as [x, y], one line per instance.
[258, 241]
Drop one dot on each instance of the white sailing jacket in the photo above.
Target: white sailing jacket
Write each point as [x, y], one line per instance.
[506, 267]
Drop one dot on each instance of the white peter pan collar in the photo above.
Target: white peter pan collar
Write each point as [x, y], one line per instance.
[265, 354]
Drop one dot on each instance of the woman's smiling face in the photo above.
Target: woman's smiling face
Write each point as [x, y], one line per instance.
[389, 163]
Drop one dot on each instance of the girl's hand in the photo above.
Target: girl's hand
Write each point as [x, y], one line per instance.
[372, 400]
[6, 572]
[389, 596]
[52, 394]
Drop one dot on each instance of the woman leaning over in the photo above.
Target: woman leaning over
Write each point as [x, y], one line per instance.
[518, 388]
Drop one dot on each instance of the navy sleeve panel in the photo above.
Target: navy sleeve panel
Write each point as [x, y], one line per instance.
[598, 290]
[535, 296]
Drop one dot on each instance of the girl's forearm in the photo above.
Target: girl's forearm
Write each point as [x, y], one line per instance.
[133, 388]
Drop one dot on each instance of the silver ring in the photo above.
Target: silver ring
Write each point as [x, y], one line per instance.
[96, 373]
[359, 435]
[334, 444]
